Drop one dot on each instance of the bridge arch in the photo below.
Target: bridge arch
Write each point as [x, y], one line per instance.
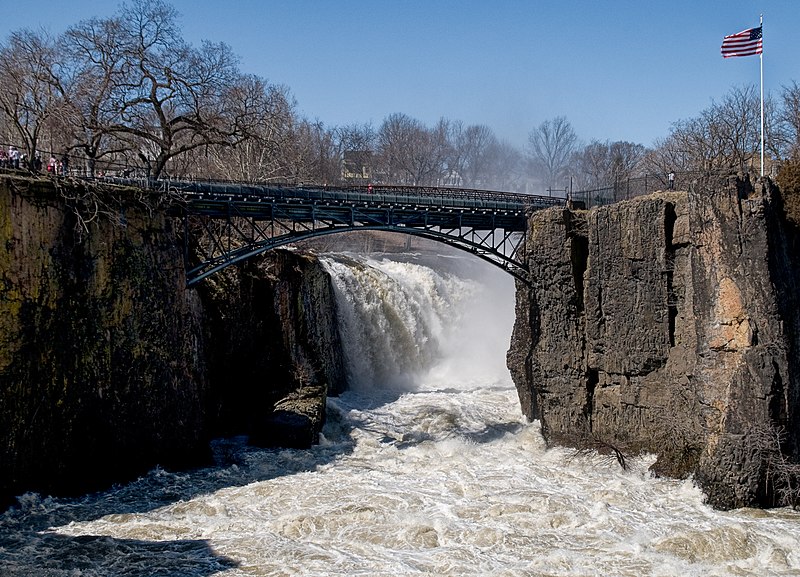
[509, 263]
[229, 223]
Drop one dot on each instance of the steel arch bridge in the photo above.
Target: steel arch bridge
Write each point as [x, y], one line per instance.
[231, 222]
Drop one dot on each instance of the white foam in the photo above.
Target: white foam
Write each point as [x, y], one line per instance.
[445, 478]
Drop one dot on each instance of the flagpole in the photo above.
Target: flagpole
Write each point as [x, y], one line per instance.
[761, 62]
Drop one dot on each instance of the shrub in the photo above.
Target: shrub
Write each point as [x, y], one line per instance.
[788, 181]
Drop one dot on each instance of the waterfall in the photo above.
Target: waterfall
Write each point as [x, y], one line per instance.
[404, 324]
[445, 478]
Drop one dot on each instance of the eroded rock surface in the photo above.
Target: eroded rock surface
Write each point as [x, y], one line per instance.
[666, 324]
[109, 365]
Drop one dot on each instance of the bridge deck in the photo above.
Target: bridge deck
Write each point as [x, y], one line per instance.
[260, 217]
[387, 195]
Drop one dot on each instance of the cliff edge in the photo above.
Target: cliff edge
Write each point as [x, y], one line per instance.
[99, 371]
[668, 324]
[109, 365]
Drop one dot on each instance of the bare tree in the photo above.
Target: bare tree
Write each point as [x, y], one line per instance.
[667, 155]
[781, 473]
[601, 164]
[30, 90]
[507, 168]
[95, 66]
[790, 117]
[430, 158]
[312, 154]
[551, 145]
[733, 128]
[398, 138]
[474, 153]
[157, 94]
[262, 157]
[325, 154]
[410, 153]
[724, 137]
[357, 137]
[357, 145]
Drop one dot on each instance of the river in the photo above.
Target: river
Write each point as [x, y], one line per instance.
[426, 467]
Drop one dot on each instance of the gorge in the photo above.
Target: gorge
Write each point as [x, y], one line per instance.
[665, 324]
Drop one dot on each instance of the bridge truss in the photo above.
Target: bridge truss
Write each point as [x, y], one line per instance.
[232, 222]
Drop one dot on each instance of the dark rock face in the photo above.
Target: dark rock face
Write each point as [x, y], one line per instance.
[274, 348]
[666, 324]
[109, 365]
[100, 372]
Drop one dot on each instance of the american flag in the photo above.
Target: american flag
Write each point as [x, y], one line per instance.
[745, 43]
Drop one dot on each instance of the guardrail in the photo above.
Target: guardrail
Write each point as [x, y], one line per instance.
[134, 175]
[692, 181]
[422, 196]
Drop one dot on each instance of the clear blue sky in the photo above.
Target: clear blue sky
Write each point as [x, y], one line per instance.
[617, 69]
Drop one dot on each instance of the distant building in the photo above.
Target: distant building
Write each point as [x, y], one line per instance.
[357, 166]
[452, 178]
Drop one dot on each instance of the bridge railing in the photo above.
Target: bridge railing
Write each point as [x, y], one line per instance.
[692, 181]
[380, 194]
[122, 173]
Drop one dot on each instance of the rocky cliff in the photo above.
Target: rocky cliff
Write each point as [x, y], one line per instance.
[109, 365]
[99, 364]
[668, 324]
[273, 348]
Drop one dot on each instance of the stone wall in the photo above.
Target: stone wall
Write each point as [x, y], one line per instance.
[666, 324]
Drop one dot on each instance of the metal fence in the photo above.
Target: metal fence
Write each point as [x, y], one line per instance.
[691, 181]
[80, 167]
[75, 165]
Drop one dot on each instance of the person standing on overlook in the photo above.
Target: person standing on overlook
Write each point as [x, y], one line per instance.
[13, 157]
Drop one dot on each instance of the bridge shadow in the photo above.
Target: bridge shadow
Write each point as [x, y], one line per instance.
[236, 464]
[26, 555]
[31, 545]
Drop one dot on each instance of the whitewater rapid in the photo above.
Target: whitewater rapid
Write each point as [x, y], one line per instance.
[426, 467]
